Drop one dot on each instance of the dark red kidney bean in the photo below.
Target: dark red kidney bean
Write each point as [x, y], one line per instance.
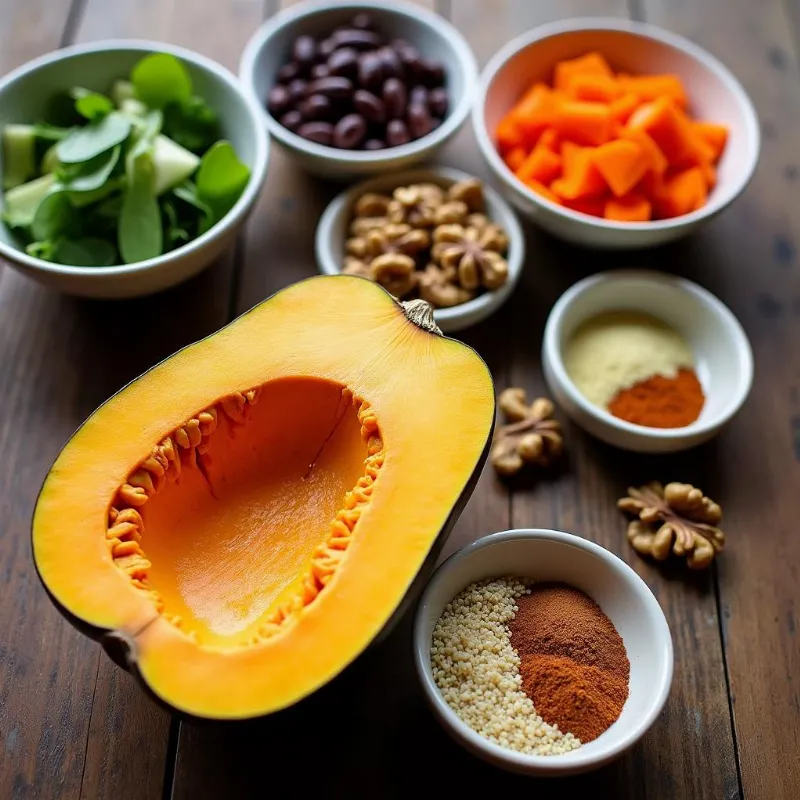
[399, 44]
[304, 50]
[297, 89]
[373, 144]
[343, 61]
[349, 131]
[395, 98]
[319, 71]
[370, 106]
[397, 133]
[438, 101]
[317, 106]
[288, 72]
[319, 132]
[291, 119]
[326, 47]
[435, 123]
[419, 121]
[432, 72]
[353, 37]
[418, 96]
[391, 66]
[278, 100]
[411, 61]
[362, 22]
[335, 87]
[370, 70]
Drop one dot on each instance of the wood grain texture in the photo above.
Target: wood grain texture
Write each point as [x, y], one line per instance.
[748, 257]
[73, 724]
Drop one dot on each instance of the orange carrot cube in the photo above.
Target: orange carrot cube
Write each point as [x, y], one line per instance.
[541, 189]
[656, 160]
[594, 88]
[580, 176]
[683, 192]
[535, 111]
[653, 87]
[589, 64]
[714, 135]
[667, 127]
[583, 123]
[622, 164]
[594, 206]
[541, 165]
[515, 158]
[632, 207]
[622, 108]
[550, 140]
[507, 134]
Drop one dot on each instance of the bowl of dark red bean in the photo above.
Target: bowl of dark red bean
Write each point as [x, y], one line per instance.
[357, 88]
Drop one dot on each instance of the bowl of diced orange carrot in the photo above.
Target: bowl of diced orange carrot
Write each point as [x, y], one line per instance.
[611, 133]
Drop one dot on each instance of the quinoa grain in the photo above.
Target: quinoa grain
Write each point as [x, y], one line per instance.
[477, 670]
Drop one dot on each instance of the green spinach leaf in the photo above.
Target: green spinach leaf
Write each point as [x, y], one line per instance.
[221, 178]
[91, 105]
[86, 252]
[45, 250]
[192, 124]
[160, 79]
[83, 144]
[92, 174]
[139, 234]
[54, 215]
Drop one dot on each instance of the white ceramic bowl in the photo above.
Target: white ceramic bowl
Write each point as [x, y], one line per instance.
[332, 232]
[431, 34]
[545, 555]
[724, 360]
[23, 96]
[633, 47]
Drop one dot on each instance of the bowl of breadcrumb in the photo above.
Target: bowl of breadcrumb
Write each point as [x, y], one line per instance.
[473, 670]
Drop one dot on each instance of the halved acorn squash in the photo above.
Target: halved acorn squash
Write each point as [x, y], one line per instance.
[245, 517]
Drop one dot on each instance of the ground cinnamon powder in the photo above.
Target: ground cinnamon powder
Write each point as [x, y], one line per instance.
[572, 660]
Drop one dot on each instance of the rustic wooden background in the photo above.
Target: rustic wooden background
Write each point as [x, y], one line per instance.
[73, 725]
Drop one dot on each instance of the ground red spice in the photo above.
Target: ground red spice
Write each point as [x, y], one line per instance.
[661, 402]
[572, 660]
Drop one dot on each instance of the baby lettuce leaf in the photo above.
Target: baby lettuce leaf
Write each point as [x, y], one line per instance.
[187, 192]
[91, 105]
[221, 178]
[45, 250]
[160, 79]
[175, 233]
[54, 215]
[84, 144]
[86, 252]
[91, 175]
[139, 234]
[192, 124]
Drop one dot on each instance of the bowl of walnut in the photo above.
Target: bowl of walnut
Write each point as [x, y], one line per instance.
[437, 234]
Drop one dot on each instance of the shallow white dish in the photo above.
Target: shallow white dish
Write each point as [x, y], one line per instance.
[546, 555]
[430, 33]
[724, 360]
[24, 94]
[634, 47]
[332, 232]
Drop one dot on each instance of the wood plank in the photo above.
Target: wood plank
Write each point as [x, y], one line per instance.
[38, 735]
[76, 725]
[748, 257]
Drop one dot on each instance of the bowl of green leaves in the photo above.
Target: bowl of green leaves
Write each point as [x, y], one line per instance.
[127, 167]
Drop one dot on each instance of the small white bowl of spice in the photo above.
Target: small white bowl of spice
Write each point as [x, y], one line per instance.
[437, 234]
[541, 652]
[646, 361]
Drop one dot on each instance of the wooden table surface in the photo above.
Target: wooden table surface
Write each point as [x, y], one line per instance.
[73, 725]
